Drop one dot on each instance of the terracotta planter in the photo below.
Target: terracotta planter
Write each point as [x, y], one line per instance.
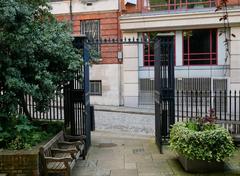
[200, 166]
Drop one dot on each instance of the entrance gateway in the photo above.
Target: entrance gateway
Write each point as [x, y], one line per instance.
[164, 86]
[164, 78]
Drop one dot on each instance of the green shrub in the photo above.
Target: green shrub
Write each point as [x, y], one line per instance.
[50, 127]
[203, 141]
[18, 133]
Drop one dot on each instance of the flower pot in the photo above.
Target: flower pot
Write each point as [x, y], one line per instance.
[200, 165]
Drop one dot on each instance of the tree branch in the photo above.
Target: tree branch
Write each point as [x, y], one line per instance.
[23, 104]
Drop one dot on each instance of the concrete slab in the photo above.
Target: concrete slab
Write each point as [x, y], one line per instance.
[124, 172]
[130, 166]
[111, 164]
[136, 156]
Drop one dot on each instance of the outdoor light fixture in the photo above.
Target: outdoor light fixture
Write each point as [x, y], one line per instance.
[120, 56]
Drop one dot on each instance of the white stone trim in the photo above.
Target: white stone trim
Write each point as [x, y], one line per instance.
[179, 21]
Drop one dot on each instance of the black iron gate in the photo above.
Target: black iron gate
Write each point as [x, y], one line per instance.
[164, 87]
[76, 98]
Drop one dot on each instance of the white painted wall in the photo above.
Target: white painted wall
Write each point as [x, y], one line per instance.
[177, 21]
[130, 72]
[221, 49]
[140, 51]
[187, 72]
[235, 60]
[179, 48]
[110, 76]
[62, 7]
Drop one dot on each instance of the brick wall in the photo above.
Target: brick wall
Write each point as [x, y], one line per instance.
[229, 3]
[131, 8]
[19, 164]
[234, 2]
[109, 28]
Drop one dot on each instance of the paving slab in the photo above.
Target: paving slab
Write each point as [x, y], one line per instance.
[130, 165]
[124, 172]
[118, 154]
[111, 164]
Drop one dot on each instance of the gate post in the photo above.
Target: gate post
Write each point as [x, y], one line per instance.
[164, 87]
[158, 102]
[171, 83]
[76, 97]
[86, 56]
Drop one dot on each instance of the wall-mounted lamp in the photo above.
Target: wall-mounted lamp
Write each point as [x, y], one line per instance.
[120, 56]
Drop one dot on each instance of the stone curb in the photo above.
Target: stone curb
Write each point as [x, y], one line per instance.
[122, 110]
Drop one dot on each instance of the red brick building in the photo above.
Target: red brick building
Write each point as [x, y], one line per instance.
[98, 19]
[124, 74]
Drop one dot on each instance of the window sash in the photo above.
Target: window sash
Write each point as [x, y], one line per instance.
[148, 49]
[163, 5]
[201, 56]
[91, 28]
[96, 87]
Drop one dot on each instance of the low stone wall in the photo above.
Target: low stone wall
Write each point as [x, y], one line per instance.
[20, 163]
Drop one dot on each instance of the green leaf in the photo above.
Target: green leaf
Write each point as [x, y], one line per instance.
[36, 53]
[212, 143]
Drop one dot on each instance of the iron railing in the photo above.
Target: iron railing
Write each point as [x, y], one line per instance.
[55, 109]
[226, 104]
[146, 86]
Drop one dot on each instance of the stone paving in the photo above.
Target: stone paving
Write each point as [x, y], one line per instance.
[117, 154]
[129, 120]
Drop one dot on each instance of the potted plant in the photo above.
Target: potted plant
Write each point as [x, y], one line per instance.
[201, 144]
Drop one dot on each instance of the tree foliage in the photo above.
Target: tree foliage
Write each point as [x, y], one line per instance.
[36, 54]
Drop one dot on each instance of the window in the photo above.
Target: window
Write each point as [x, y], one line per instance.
[148, 47]
[148, 54]
[200, 47]
[161, 5]
[91, 28]
[96, 87]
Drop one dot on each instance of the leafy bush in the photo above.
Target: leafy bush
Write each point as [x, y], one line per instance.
[203, 141]
[37, 55]
[19, 133]
[50, 127]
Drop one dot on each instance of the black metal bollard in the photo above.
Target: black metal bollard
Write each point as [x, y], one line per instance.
[92, 118]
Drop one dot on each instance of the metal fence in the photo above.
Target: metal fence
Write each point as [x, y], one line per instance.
[59, 106]
[226, 104]
[146, 87]
[55, 109]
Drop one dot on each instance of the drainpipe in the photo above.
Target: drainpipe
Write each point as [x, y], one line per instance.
[71, 14]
